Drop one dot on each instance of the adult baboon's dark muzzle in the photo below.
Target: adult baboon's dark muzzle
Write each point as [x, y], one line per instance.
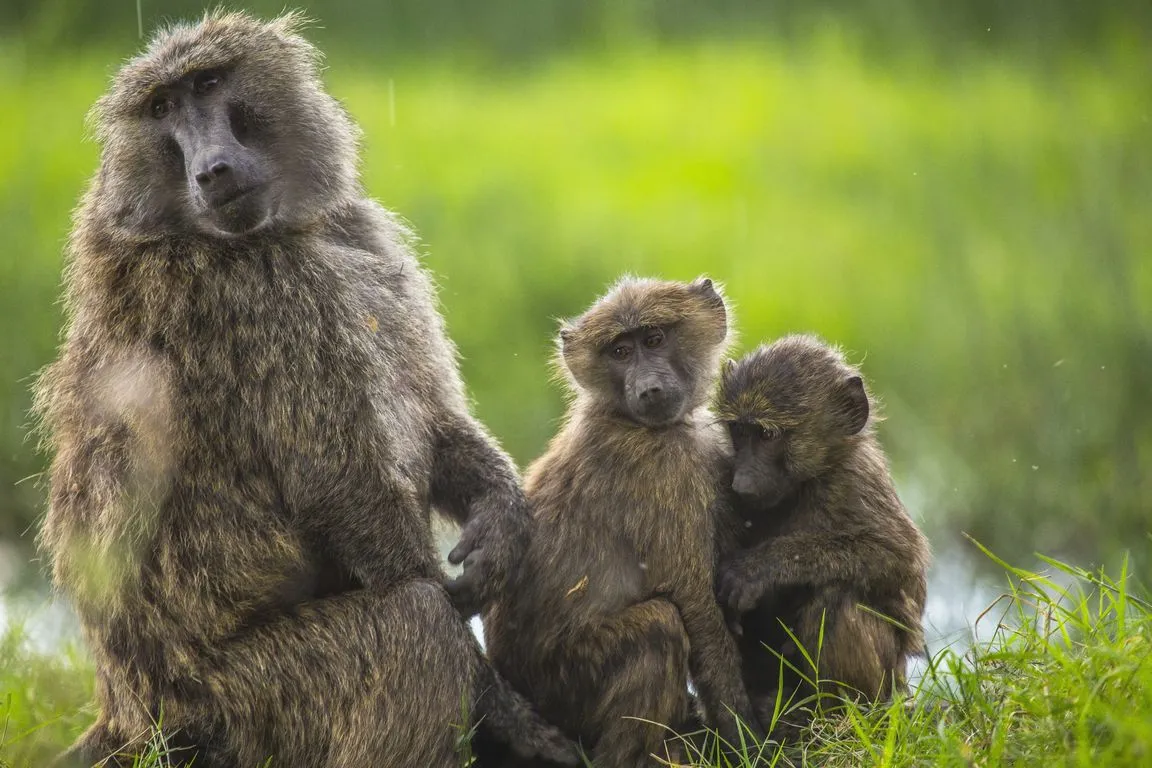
[223, 175]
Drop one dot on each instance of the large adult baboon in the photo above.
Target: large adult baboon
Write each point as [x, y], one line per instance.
[822, 551]
[613, 606]
[252, 413]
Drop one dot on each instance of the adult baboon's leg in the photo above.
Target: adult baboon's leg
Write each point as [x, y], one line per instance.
[358, 679]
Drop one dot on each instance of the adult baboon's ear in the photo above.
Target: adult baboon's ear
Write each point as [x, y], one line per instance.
[853, 405]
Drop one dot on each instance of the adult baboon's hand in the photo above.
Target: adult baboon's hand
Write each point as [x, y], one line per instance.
[491, 542]
[743, 582]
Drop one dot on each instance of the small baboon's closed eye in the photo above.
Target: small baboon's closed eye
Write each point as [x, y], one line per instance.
[654, 338]
[160, 106]
[204, 82]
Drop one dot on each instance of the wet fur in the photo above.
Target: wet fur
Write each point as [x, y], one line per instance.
[613, 607]
[249, 436]
[833, 554]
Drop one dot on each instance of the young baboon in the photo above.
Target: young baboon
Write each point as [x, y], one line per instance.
[253, 412]
[613, 605]
[820, 542]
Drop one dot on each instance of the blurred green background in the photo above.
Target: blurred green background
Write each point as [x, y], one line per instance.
[959, 193]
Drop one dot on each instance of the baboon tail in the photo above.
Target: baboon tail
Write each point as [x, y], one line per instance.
[510, 718]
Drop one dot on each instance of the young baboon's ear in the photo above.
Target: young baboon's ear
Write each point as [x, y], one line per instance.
[703, 286]
[854, 404]
[726, 369]
[566, 334]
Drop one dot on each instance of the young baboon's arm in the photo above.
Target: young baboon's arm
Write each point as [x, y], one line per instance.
[810, 558]
[714, 662]
[475, 483]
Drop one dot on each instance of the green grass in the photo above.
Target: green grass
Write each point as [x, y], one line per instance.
[1064, 679]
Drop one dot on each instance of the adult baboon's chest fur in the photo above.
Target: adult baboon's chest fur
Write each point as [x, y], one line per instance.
[271, 381]
[277, 360]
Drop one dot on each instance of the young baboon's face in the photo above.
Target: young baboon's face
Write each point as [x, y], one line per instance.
[761, 470]
[788, 407]
[646, 375]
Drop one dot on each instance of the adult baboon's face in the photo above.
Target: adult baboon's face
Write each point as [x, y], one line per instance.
[208, 128]
[222, 128]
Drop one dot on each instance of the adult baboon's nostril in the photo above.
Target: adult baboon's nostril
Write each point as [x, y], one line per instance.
[651, 392]
[215, 171]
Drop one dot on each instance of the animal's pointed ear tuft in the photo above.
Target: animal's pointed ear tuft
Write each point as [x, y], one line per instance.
[853, 404]
[727, 368]
[705, 287]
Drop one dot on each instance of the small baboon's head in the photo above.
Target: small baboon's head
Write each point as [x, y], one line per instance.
[221, 128]
[648, 350]
[789, 407]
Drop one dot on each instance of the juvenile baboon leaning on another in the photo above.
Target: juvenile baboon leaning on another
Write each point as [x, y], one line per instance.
[613, 605]
[255, 408]
[819, 542]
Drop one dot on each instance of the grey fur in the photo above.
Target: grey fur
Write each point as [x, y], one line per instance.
[252, 419]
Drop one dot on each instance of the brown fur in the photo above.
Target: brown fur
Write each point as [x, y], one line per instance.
[614, 608]
[250, 432]
[837, 550]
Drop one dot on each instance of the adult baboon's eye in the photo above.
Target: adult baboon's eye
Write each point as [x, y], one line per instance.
[160, 106]
[654, 338]
[769, 433]
[204, 82]
[621, 352]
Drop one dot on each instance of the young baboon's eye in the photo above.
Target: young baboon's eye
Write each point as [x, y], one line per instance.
[160, 106]
[654, 338]
[621, 352]
[204, 82]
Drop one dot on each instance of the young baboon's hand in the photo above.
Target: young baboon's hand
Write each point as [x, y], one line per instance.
[492, 541]
[742, 584]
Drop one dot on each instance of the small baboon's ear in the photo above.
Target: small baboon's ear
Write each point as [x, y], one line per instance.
[703, 286]
[726, 369]
[566, 333]
[853, 405]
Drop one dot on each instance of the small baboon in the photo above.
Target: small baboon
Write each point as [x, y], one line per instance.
[819, 541]
[254, 411]
[613, 606]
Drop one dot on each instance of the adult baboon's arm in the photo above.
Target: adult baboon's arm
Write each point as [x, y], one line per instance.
[107, 420]
[475, 483]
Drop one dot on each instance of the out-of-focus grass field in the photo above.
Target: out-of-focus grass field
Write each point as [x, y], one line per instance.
[977, 233]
